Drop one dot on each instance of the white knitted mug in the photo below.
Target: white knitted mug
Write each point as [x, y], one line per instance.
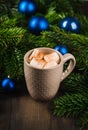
[43, 84]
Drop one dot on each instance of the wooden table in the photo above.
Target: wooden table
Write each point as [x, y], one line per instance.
[18, 111]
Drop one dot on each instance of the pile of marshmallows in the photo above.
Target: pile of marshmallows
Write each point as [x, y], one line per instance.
[43, 61]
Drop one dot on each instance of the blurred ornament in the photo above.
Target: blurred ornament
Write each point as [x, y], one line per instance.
[38, 24]
[62, 49]
[7, 84]
[57, 47]
[70, 24]
[27, 6]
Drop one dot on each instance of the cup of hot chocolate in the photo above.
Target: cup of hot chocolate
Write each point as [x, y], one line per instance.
[44, 71]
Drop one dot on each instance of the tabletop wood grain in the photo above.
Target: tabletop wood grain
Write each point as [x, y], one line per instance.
[19, 111]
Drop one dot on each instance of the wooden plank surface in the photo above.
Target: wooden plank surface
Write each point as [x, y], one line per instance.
[21, 112]
[5, 112]
[32, 115]
[29, 114]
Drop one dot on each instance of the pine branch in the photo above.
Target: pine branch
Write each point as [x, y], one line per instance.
[76, 83]
[13, 64]
[83, 24]
[11, 36]
[65, 7]
[70, 105]
[5, 7]
[54, 17]
[83, 121]
[7, 23]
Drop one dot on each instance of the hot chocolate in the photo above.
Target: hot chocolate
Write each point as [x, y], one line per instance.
[43, 61]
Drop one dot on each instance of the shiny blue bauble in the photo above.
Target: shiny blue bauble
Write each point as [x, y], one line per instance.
[62, 49]
[57, 47]
[27, 6]
[38, 24]
[70, 24]
[7, 84]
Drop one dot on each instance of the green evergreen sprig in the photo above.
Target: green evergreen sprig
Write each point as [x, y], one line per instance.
[83, 121]
[14, 63]
[11, 36]
[76, 83]
[72, 105]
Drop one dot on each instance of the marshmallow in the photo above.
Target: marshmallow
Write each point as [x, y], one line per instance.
[52, 57]
[37, 63]
[40, 60]
[50, 64]
[36, 54]
[39, 56]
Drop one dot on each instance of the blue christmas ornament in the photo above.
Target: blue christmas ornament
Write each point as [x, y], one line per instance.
[22, 6]
[38, 24]
[62, 49]
[7, 84]
[27, 6]
[70, 24]
[57, 47]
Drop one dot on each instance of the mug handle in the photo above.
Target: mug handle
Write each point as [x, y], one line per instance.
[71, 65]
